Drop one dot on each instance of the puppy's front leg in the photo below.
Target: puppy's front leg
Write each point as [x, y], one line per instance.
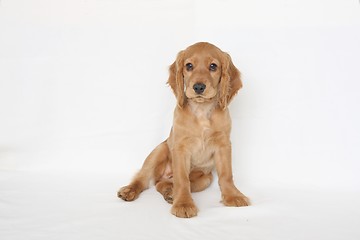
[231, 196]
[183, 205]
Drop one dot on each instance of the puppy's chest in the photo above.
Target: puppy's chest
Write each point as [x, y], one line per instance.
[203, 124]
[202, 148]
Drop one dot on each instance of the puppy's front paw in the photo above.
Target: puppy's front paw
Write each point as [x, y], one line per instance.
[184, 210]
[129, 193]
[235, 200]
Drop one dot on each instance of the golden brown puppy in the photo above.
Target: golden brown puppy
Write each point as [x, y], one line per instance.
[204, 81]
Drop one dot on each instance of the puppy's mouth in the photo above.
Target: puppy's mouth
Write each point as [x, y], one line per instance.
[201, 98]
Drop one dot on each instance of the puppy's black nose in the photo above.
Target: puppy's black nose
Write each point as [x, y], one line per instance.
[199, 88]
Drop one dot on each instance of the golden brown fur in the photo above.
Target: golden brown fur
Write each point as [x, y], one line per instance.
[204, 81]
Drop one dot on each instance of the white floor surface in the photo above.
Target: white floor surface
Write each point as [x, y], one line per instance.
[35, 205]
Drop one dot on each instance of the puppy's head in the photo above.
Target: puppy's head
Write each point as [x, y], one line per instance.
[203, 73]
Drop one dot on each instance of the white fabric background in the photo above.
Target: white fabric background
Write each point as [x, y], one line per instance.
[83, 100]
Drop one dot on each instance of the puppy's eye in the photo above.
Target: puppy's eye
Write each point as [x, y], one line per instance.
[213, 67]
[189, 67]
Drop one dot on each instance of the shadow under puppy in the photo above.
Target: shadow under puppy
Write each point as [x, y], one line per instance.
[204, 81]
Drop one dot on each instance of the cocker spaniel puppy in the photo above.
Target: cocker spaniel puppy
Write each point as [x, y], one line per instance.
[204, 81]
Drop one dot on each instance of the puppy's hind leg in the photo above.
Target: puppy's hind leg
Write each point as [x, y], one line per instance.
[200, 180]
[142, 179]
[165, 187]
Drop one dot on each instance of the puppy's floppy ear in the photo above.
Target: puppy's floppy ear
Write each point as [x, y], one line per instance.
[230, 81]
[176, 79]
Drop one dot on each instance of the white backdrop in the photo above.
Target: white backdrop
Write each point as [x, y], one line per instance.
[83, 85]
